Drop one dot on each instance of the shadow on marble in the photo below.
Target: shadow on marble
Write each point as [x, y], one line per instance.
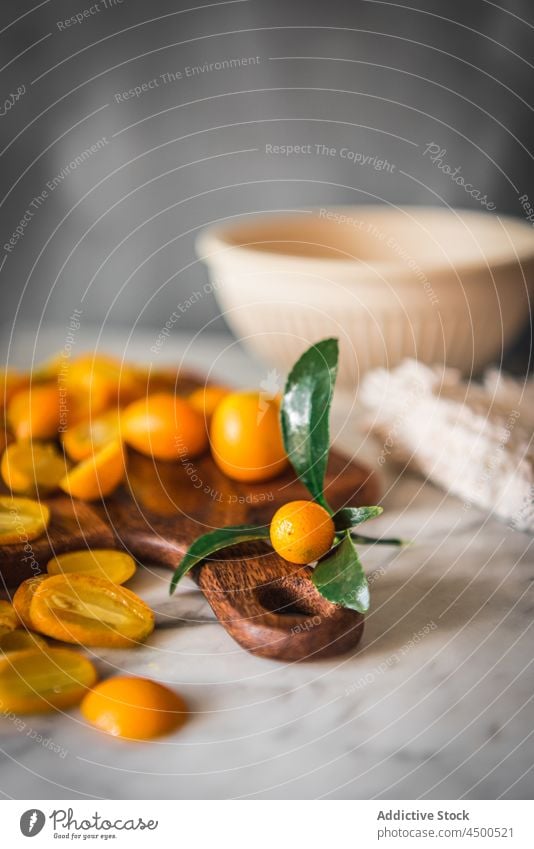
[425, 604]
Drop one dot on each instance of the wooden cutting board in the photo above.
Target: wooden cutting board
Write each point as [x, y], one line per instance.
[269, 606]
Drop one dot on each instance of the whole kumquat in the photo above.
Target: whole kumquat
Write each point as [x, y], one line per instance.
[89, 436]
[37, 681]
[115, 566]
[98, 476]
[135, 708]
[21, 520]
[302, 531]
[8, 618]
[205, 399]
[165, 427]
[32, 467]
[91, 611]
[246, 437]
[23, 596]
[34, 412]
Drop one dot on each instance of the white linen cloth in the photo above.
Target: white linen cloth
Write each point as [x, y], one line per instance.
[473, 439]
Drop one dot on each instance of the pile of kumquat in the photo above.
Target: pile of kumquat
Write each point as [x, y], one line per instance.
[65, 429]
[66, 425]
[68, 428]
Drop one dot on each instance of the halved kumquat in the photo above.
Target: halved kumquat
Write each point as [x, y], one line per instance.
[31, 467]
[34, 412]
[88, 436]
[23, 596]
[98, 476]
[38, 681]
[21, 520]
[115, 566]
[91, 611]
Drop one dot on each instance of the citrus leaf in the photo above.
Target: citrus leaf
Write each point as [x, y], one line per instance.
[305, 415]
[212, 542]
[340, 577]
[348, 517]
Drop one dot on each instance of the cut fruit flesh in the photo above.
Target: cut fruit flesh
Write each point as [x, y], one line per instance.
[29, 467]
[21, 520]
[116, 566]
[37, 681]
[90, 611]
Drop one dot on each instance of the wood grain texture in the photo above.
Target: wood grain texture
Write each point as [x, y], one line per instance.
[275, 611]
[269, 606]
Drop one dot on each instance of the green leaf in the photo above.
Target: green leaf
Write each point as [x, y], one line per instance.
[348, 517]
[340, 577]
[305, 415]
[359, 539]
[215, 541]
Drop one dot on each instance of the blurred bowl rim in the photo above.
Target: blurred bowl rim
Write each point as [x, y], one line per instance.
[214, 241]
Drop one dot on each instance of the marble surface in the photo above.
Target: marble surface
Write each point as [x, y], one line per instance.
[435, 703]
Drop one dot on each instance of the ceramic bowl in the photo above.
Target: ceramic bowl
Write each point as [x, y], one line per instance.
[440, 285]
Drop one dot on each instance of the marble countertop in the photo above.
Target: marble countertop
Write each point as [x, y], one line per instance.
[435, 703]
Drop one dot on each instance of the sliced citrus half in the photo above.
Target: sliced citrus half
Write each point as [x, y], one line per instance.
[98, 476]
[86, 437]
[116, 566]
[36, 681]
[35, 412]
[30, 467]
[21, 520]
[89, 611]
[23, 597]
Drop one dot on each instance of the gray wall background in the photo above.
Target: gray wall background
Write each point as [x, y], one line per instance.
[380, 78]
